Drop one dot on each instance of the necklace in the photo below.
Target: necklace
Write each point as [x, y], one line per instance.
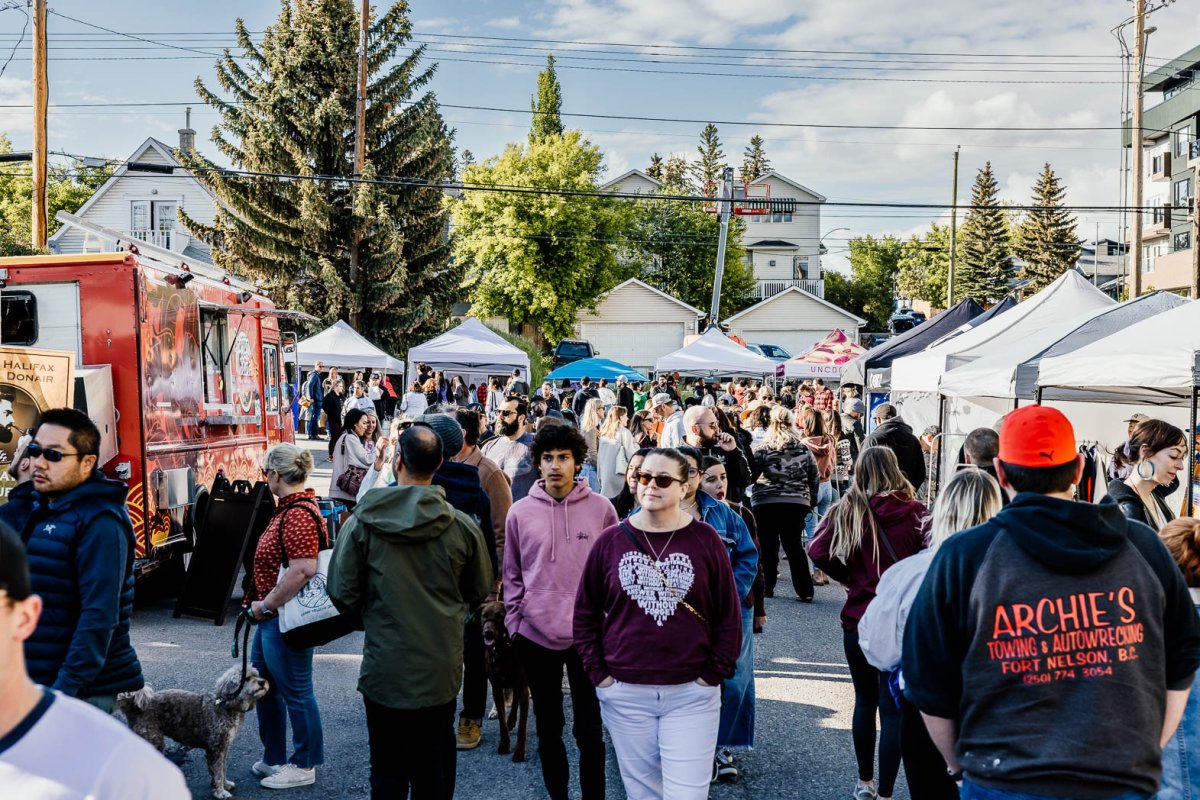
[658, 555]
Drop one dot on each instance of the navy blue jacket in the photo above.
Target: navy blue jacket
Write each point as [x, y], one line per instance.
[80, 549]
[465, 492]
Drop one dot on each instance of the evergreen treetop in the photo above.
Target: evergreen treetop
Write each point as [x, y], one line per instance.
[292, 111]
[656, 168]
[984, 265]
[1047, 240]
[708, 167]
[754, 160]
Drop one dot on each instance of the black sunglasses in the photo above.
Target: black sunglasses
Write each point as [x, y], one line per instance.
[53, 456]
[661, 481]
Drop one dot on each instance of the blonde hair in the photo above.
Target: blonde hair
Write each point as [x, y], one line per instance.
[592, 415]
[612, 422]
[877, 472]
[293, 464]
[1182, 538]
[970, 498]
[781, 430]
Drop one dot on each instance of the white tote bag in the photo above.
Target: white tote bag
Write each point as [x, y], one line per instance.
[310, 619]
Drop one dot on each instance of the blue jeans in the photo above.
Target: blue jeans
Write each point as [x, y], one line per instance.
[820, 509]
[589, 474]
[973, 791]
[314, 419]
[289, 672]
[737, 693]
[1181, 756]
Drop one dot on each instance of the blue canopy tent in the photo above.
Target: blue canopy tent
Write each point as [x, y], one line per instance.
[595, 368]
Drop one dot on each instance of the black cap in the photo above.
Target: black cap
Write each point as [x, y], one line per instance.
[14, 569]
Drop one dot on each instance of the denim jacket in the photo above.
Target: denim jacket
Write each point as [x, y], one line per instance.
[743, 555]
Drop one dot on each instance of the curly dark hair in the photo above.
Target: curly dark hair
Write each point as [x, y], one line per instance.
[559, 437]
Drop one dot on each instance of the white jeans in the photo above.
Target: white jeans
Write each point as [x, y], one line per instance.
[664, 737]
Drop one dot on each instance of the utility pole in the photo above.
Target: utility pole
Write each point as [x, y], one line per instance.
[360, 149]
[1139, 62]
[40, 95]
[953, 232]
[1096, 256]
[725, 211]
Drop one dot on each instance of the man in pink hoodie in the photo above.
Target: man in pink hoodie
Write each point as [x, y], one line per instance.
[547, 539]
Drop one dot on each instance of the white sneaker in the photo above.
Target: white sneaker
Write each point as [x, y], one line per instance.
[264, 770]
[290, 776]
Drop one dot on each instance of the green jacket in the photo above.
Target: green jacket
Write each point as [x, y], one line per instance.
[407, 563]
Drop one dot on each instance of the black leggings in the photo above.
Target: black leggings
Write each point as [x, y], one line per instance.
[870, 693]
[784, 523]
[924, 766]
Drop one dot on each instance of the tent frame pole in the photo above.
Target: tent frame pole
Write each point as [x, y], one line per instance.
[1191, 473]
[1039, 395]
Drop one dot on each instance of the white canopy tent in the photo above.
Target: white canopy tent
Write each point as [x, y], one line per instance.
[472, 350]
[339, 345]
[714, 354]
[1072, 294]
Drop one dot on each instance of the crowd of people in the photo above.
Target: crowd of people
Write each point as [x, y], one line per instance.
[1007, 641]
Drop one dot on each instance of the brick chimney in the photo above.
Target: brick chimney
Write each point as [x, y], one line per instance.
[187, 136]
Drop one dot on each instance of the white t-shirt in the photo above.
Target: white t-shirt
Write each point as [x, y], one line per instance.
[66, 749]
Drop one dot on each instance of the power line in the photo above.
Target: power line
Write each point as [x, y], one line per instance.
[12, 6]
[132, 36]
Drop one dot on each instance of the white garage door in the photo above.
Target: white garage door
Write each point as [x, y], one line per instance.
[795, 342]
[637, 345]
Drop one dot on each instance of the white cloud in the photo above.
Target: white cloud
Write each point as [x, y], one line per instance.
[504, 23]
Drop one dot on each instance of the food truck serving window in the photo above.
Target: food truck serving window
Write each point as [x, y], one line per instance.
[214, 337]
[271, 376]
[18, 318]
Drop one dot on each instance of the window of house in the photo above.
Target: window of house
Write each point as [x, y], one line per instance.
[271, 376]
[777, 217]
[800, 267]
[153, 220]
[18, 318]
[1182, 191]
[787, 216]
[1182, 241]
[1182, 137]
[215, 342]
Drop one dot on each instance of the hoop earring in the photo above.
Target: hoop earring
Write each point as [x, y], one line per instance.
[1138, 470]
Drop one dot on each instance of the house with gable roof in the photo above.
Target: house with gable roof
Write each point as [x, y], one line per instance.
[145, 205]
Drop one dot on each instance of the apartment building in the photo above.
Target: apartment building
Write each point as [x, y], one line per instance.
[1170, 155]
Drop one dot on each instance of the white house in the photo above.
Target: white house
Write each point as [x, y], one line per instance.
[783, 246]
[635, 324]
[793, 319]
[145, 204]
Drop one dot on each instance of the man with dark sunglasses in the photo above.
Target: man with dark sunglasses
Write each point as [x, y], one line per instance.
[80, 545]
[510, 447]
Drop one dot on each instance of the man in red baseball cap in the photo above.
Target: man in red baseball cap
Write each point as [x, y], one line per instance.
[1052, 648]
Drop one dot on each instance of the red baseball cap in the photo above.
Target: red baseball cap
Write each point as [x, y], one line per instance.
[1037, 436]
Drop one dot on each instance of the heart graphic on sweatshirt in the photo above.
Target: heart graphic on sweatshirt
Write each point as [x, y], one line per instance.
[644, 583]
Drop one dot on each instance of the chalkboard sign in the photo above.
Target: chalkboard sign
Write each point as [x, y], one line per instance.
[233, 517]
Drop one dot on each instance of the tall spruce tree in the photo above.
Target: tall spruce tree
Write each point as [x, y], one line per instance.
[547, 104]
[754, 160]
[984, 264]
[656, 169]
[292, 111]
[707, 168]
[1047, 240]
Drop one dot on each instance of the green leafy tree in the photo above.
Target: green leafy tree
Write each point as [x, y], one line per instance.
[67, 188]
[924, 266]
[291, 110]
[707, 169]
[656, 169]
[539, 258]
[983, 269]
[677, 174]
[547, 103]
[1047, 240]
[754, 160]
[677, 243]
[869, 291]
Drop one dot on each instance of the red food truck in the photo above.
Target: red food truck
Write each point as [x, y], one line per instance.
[185, 360]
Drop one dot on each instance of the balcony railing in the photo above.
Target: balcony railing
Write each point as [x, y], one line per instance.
[769, 287]
[157, 238]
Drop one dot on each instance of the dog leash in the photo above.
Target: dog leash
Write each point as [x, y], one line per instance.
[245, 622]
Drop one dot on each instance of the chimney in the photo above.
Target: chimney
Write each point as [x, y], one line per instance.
[187, 136]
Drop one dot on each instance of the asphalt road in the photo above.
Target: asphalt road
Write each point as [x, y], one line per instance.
[804, 702]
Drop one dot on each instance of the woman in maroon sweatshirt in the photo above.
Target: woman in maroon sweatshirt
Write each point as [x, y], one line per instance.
[875, 525]
[658, 626]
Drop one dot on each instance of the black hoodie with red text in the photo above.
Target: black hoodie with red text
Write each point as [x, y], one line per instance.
[1051, 634]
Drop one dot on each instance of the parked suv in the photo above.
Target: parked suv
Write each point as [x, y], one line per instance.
[771, 351]
[569, 350]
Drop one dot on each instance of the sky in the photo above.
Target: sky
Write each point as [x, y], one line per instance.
[767, 68]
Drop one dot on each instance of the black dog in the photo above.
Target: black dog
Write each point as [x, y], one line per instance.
[505, 672]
